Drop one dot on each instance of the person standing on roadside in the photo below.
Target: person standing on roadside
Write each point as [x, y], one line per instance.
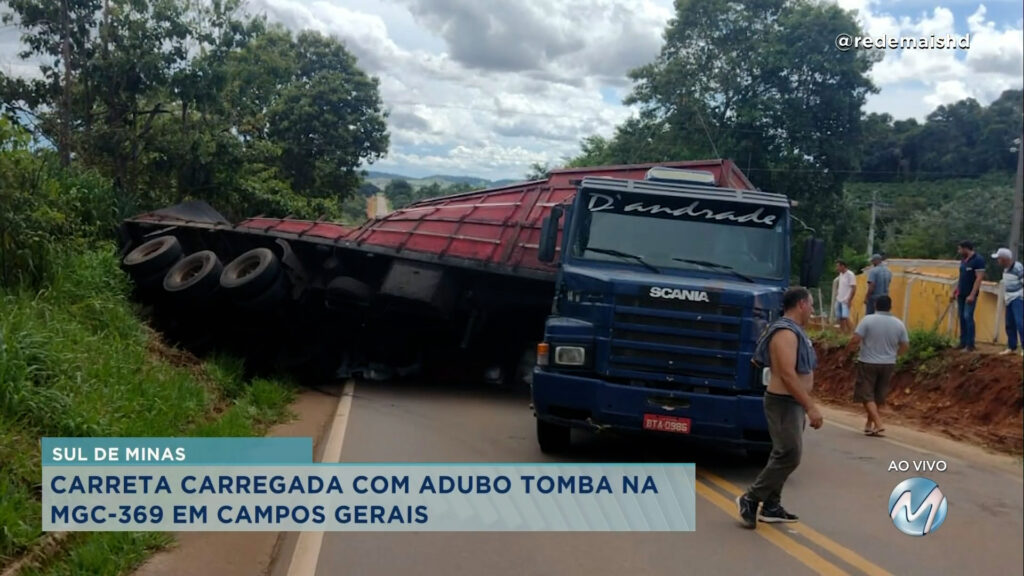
[844, 294]
[972, 271]
[788, 354]
[879, 278]
[882, 339]
[1013, 298]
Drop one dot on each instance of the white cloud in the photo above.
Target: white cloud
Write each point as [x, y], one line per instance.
[992, 64]
[487, 88]
[528, 92]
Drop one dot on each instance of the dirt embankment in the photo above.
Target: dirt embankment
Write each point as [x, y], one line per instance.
[975, 398]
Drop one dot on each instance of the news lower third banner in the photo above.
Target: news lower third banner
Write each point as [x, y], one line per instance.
[272, 484]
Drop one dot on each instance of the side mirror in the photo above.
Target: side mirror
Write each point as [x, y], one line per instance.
[813, 263]
[549, 235]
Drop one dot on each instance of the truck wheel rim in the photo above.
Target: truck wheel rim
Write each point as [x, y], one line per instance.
[191, 271]
[152, 250]
[247, 267]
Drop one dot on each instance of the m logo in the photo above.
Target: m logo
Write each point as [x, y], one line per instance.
[917, 506]
[677, 294]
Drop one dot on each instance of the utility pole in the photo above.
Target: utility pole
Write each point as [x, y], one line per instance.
[875, 205]
[1018, 201]
[871, 228]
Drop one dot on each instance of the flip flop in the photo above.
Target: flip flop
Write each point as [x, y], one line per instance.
[868, 431]
[878, 433]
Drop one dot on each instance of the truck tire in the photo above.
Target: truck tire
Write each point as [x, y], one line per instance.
[271, 295]
[251, 274]
[553, 438]
[152, 257]
[195, 276]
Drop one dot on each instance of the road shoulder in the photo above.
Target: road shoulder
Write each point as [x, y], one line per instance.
[243, 553]
[926, 441]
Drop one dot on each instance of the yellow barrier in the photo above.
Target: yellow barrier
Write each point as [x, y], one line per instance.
[920, 292]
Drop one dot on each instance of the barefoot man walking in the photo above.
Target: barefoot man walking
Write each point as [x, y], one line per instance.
[789, 355]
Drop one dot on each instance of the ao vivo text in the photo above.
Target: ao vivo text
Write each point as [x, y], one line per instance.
[917, 465]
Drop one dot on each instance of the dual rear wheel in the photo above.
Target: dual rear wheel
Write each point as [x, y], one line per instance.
[253, 279]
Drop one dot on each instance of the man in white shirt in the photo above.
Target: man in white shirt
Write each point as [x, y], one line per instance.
[1013, 297]
[844, 294]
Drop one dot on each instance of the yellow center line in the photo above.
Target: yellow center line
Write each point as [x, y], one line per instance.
[847, 555]
[805, 555]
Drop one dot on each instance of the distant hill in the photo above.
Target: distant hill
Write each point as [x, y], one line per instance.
[381, 180]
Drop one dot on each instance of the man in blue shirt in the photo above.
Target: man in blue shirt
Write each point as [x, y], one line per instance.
[972, 271]
[879, 278]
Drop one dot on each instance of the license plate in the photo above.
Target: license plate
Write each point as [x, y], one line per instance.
[662, 423]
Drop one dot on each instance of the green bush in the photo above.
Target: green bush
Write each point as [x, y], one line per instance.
[76, 361]
[924, 345]
[45, 210]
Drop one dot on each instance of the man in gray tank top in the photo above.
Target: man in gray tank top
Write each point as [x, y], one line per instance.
[789, 355]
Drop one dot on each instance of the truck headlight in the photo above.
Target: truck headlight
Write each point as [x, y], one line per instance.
[570, 355]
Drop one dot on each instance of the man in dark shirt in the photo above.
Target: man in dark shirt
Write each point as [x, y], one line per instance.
[972, 271]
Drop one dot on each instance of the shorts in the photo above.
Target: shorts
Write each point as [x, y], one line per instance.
[842, 310]
[873, 382]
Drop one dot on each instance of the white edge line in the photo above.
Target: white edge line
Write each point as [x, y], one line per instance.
[307, 548]
[948, 457]
[898, 443]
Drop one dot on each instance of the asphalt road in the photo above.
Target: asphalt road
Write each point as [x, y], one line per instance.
[840, 491]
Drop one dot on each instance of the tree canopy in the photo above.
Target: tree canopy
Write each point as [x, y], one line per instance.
[763, 84]
[177, 100]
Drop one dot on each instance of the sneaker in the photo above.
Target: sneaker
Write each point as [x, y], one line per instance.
[1007, 352]
[776, 514]
[748, 510]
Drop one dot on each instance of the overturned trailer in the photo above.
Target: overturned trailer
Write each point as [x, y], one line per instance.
[451, 283]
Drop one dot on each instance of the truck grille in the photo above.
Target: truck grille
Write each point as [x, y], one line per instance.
[694, 340]
[679, 305]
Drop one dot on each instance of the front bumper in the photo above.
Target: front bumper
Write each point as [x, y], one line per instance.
[585, 402]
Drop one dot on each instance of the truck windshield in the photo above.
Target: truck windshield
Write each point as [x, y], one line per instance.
[674, 233]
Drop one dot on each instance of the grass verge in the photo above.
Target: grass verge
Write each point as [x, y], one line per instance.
[76, 361]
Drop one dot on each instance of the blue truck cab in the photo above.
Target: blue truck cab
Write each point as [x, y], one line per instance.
[663, 287]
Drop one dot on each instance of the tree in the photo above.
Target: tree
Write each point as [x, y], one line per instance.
[400, 193]
[761, 83]
[61, 32]
[175, 100]
[880, 152]
[960, 139]
[327, 119]
[594, 151]
[538, 171]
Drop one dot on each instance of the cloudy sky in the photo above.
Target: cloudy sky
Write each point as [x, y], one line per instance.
[485, 88]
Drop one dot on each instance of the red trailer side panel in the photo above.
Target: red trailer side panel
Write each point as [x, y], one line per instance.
[496, 229]
[501, 227]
